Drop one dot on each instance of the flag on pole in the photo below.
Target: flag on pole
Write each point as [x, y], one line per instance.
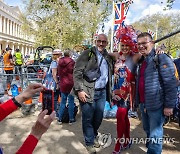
[151, 32]
[120, 12]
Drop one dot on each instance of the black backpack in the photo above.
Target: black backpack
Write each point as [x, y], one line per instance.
[176, 111]
[65, 117]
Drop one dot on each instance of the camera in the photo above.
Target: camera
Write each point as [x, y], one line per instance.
[48, 101]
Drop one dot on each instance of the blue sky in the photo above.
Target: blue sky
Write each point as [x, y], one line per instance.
[137, 10]
[14, 3]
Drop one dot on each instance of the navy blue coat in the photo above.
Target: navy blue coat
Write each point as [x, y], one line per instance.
[160, 90]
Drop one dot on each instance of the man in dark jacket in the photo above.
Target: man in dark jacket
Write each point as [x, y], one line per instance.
[156, 91]
[93, 95]
[65, 72]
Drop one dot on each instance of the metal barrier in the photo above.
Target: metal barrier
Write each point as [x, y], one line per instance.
[24, 75]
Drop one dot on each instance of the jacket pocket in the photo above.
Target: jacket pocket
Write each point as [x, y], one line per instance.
[89, 89]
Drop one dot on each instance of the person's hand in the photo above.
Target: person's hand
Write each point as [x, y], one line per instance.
[116, 98]
[168, 111]
[42, 124]
[29, 92]
[82, 96]
[57, 86]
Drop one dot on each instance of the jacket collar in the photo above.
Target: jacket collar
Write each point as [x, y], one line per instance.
[151, 54]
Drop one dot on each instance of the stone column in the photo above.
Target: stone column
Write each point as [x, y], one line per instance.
[4, 27]
[10, 27]
[0, 23]
[7, 32]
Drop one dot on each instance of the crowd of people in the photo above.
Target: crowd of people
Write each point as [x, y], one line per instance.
[10, 61]
[129, 77]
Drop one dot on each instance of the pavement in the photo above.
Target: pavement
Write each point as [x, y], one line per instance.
[68, 139]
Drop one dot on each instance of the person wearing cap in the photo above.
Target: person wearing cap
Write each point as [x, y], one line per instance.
[8, 66]
[18, 59]
[56, 54]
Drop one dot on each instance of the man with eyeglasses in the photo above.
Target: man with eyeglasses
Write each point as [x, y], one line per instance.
[155, 91]
[92, 95]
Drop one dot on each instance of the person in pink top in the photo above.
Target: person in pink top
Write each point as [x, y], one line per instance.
[39, 128]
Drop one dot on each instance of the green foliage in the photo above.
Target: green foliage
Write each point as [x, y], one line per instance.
[163, 24]
[64, 24]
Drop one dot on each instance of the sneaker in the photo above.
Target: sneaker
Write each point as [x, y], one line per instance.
[72, 121]
[59, 122]
[91, 149]
[115, 152]
[96, 143]
[127, 146]
[132, 114]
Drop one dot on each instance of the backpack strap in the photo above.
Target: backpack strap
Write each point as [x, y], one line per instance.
[157, 63]
[90, 54]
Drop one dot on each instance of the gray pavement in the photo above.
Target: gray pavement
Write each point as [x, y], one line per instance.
[68, 139]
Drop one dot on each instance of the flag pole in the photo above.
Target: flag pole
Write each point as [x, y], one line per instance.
[112, 29]
[156, 35]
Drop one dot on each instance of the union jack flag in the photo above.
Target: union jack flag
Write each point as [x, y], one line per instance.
[120, 10]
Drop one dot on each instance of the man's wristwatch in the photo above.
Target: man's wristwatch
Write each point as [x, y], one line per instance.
[16, 102]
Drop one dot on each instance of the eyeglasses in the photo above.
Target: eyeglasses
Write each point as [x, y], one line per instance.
[103, 42]
[143, 43]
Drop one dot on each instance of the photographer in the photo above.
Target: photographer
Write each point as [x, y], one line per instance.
[42, 123]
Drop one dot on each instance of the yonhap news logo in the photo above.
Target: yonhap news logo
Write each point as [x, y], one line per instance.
[105, 140]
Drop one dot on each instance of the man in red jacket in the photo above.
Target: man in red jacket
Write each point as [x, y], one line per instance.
[65, 72]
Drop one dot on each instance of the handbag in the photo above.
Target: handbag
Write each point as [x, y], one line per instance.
[93, 74]
[49, 81]
[65, 117]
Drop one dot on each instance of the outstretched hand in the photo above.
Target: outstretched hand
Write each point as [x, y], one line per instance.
[29, 92]
[42, 124]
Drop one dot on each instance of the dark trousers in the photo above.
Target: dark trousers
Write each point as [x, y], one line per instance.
[92, 115]
[9, 77]
[18, 69]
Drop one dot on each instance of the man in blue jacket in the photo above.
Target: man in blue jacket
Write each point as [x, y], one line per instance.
[156, 91]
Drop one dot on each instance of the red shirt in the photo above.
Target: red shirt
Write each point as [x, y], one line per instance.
[142, 82]
[31, 141]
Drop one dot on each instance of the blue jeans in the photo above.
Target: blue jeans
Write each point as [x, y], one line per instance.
[153, 126]
[92, 115]
[64, 97]
[56, 96]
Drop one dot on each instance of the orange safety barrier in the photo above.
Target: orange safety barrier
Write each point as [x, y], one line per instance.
[29, 101]
[8, 86]
[19, 89]
[40, 98]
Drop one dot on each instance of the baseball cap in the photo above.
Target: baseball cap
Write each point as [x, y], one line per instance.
[8, 48]
[57, 52]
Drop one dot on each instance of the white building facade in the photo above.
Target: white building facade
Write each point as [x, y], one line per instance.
[10, 30]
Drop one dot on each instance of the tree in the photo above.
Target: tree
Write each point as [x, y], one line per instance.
[62, 23]
[164, 24]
